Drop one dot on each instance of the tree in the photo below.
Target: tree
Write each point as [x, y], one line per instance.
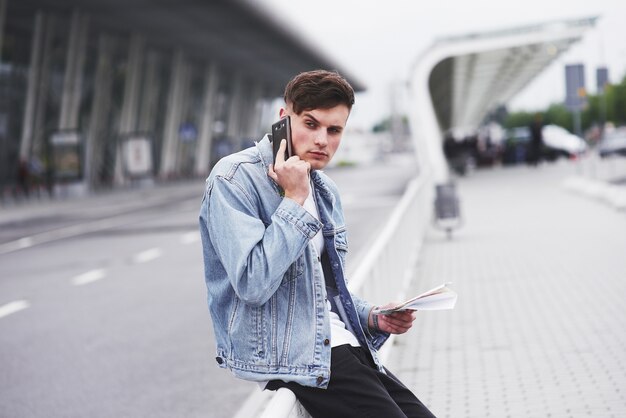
[382, 126]
[558, 114]
[607, 107]
[516, 119]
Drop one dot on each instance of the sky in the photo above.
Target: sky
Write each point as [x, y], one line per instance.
[377, 41]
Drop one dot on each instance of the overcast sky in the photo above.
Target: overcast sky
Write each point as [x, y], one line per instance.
[376, 41]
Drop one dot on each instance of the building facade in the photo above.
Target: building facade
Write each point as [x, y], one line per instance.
[107, 92]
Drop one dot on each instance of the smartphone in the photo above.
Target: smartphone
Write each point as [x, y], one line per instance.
[282, 130]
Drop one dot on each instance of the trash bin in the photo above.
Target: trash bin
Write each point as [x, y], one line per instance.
[447, 208]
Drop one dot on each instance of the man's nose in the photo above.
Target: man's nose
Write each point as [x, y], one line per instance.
[321, 139]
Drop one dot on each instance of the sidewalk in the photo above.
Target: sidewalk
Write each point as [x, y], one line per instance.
[538, 328]
[37, 218]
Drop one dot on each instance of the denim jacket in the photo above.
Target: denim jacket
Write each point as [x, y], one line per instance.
[266, 292]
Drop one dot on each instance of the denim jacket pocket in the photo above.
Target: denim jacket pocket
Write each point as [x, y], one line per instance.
[248, 326]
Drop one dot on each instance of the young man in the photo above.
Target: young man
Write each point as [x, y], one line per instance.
[274, 242]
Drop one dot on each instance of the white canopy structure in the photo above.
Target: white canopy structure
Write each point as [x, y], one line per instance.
[459, 80]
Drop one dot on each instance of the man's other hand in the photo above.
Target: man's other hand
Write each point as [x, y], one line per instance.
[393, 323]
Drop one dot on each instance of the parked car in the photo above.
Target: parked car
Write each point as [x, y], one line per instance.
[613, 143]
[558, 142]
[515, 147]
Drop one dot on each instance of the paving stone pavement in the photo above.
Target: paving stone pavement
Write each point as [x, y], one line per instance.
[538, 329]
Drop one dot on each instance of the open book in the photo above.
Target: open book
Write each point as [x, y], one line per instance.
[441, 297]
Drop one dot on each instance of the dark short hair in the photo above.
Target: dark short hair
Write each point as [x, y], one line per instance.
[318, 89]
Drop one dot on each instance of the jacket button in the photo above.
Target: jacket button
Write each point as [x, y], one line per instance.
[219, 360]
[320, 379]
[326, 341]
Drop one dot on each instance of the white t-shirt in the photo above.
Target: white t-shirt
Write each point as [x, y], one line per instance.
[339, 334]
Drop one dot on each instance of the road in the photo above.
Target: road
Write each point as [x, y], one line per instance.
[102, 300]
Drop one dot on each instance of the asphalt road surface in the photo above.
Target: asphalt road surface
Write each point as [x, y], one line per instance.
[102, 300]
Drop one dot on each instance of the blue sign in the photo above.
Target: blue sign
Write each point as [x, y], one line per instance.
[575, 94]
[187, 132]
[602, 78]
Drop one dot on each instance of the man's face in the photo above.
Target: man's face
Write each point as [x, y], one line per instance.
[316, 134]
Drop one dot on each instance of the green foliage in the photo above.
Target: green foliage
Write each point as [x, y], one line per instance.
[558, 114]
[616, 102]
[382, 126]
[386, 124]
[610, 107]
[518, 119]
[346, 163]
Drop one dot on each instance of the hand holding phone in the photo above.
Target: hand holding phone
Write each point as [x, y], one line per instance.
[282, 130]
[293, 175]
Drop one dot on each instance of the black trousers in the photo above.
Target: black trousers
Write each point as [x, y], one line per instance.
[357, 389]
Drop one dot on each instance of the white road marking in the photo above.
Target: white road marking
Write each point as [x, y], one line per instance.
[89, 277]
[12, 307]
[147, 255]
[24, 242]
[190, 238]
[17, 245]
[61, 233]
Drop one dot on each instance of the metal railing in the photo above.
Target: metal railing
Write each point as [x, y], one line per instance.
[384, 275]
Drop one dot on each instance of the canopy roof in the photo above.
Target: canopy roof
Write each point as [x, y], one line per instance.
[234, 33]
[478, 72]
[457, 81]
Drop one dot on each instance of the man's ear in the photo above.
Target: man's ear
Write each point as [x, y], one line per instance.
[282, 112]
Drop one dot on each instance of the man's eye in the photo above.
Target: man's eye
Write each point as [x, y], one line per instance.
[310, 124]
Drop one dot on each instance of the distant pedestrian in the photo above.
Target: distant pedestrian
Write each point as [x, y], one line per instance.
[536, 140]
[36, 172]
[274, 241]
[23, 177]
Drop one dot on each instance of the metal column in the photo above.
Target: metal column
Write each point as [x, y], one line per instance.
[150, 95]
[39, 143]
[130, 105]
[175, 107]
[251, 122]
[205, 140]
[34, 69]
[233, 127]
[73, 77]
[94, 142]
[3, 13]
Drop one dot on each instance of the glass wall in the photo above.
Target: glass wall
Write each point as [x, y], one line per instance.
[16, 42]
[72, 91]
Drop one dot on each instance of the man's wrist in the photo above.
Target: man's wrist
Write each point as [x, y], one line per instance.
[373, 322]
[298, 199]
